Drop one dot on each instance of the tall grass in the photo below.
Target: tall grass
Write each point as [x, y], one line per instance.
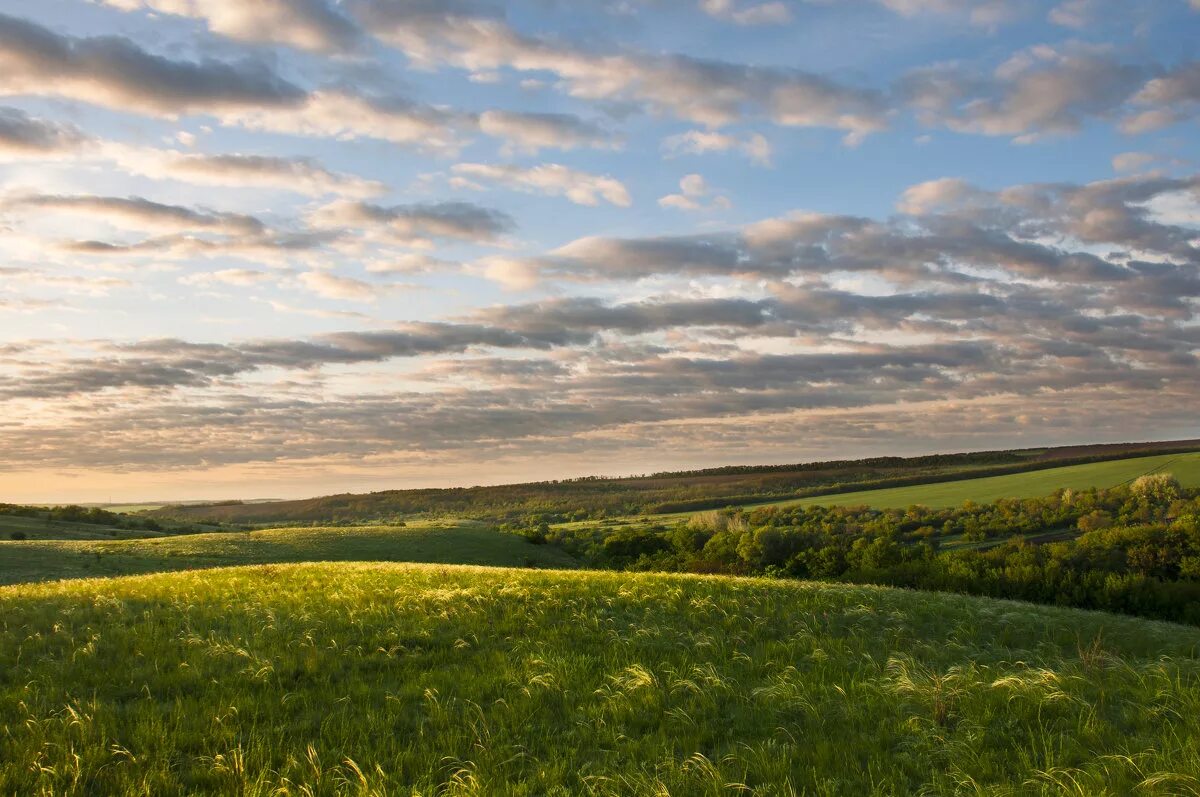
[431, 680]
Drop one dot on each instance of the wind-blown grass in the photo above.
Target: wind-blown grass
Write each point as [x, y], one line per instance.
[442, 542]
[409, 679]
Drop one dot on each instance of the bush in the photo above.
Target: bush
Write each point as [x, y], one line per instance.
[18, 535]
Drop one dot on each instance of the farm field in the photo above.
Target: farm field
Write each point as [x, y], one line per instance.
[435, 541]
[418, 679]
[1035, 484]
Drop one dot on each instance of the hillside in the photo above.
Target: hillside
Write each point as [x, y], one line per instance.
[387, 679]
[1033, 484]
[446, 542]
[595, 498]
[12, 526]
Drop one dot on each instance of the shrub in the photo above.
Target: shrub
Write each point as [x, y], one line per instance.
[18, 535]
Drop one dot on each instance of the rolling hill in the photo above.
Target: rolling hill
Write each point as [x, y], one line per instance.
[390, 679]
[1033, 484]
[446, 542]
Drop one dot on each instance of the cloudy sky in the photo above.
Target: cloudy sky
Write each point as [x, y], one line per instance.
[296, 247]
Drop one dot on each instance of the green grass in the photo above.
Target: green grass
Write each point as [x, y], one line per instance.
[433, 680]
[446, 542]
[39, 529]
[1034, 484]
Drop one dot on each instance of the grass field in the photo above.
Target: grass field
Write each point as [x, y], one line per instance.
[422, 680]
[1035, 484]
[445, 542]
[35, 529]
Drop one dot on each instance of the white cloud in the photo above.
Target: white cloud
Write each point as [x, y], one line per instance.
[770, 13]
[1131, 161]
[553, 179]
[337, 114]
[530, 132]
[695, 194]
[299, 175]
[409, 263]
[307, 24]
[754, 146]
[331, 286]
[237, 277]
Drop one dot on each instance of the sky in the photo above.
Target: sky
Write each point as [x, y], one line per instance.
[300, 247]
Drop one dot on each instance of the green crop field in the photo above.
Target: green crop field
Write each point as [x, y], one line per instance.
[446, 542]
[434, 680]
[1034, 484]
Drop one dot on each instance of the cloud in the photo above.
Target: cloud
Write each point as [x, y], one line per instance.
[1076, 14]
[416, 223]
[24, 137]
[1036, 92]
[695, 194]
[954, 229]
[307, 24]
[553, 179]
[22, 134]
[115, 72]
[981, 13]
[530, 132]
[971, 314]
[771, 13]
[237, 277]
[705, 91]
[933, 195]
[138, 213]
[71, 283]
[697, 142]
[410, 263]
[341, 115]
[1132, 161]
[301, 175]
[1167, 99]
[331, 286]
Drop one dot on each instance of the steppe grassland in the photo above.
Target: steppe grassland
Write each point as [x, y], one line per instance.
[410, 679]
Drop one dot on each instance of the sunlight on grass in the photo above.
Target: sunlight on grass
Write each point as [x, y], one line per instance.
[387, 679]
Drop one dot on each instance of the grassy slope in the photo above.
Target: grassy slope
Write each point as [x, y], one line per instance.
[1035, 484]
[386, 679]
[35, 529]
[437, 542]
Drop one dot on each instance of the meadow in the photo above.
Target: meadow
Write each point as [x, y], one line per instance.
[1034, 484]
[407, 679]
[458, 542]
[216, 663]
[35, 529]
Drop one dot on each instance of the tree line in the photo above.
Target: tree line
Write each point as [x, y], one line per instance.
[1133, 549]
